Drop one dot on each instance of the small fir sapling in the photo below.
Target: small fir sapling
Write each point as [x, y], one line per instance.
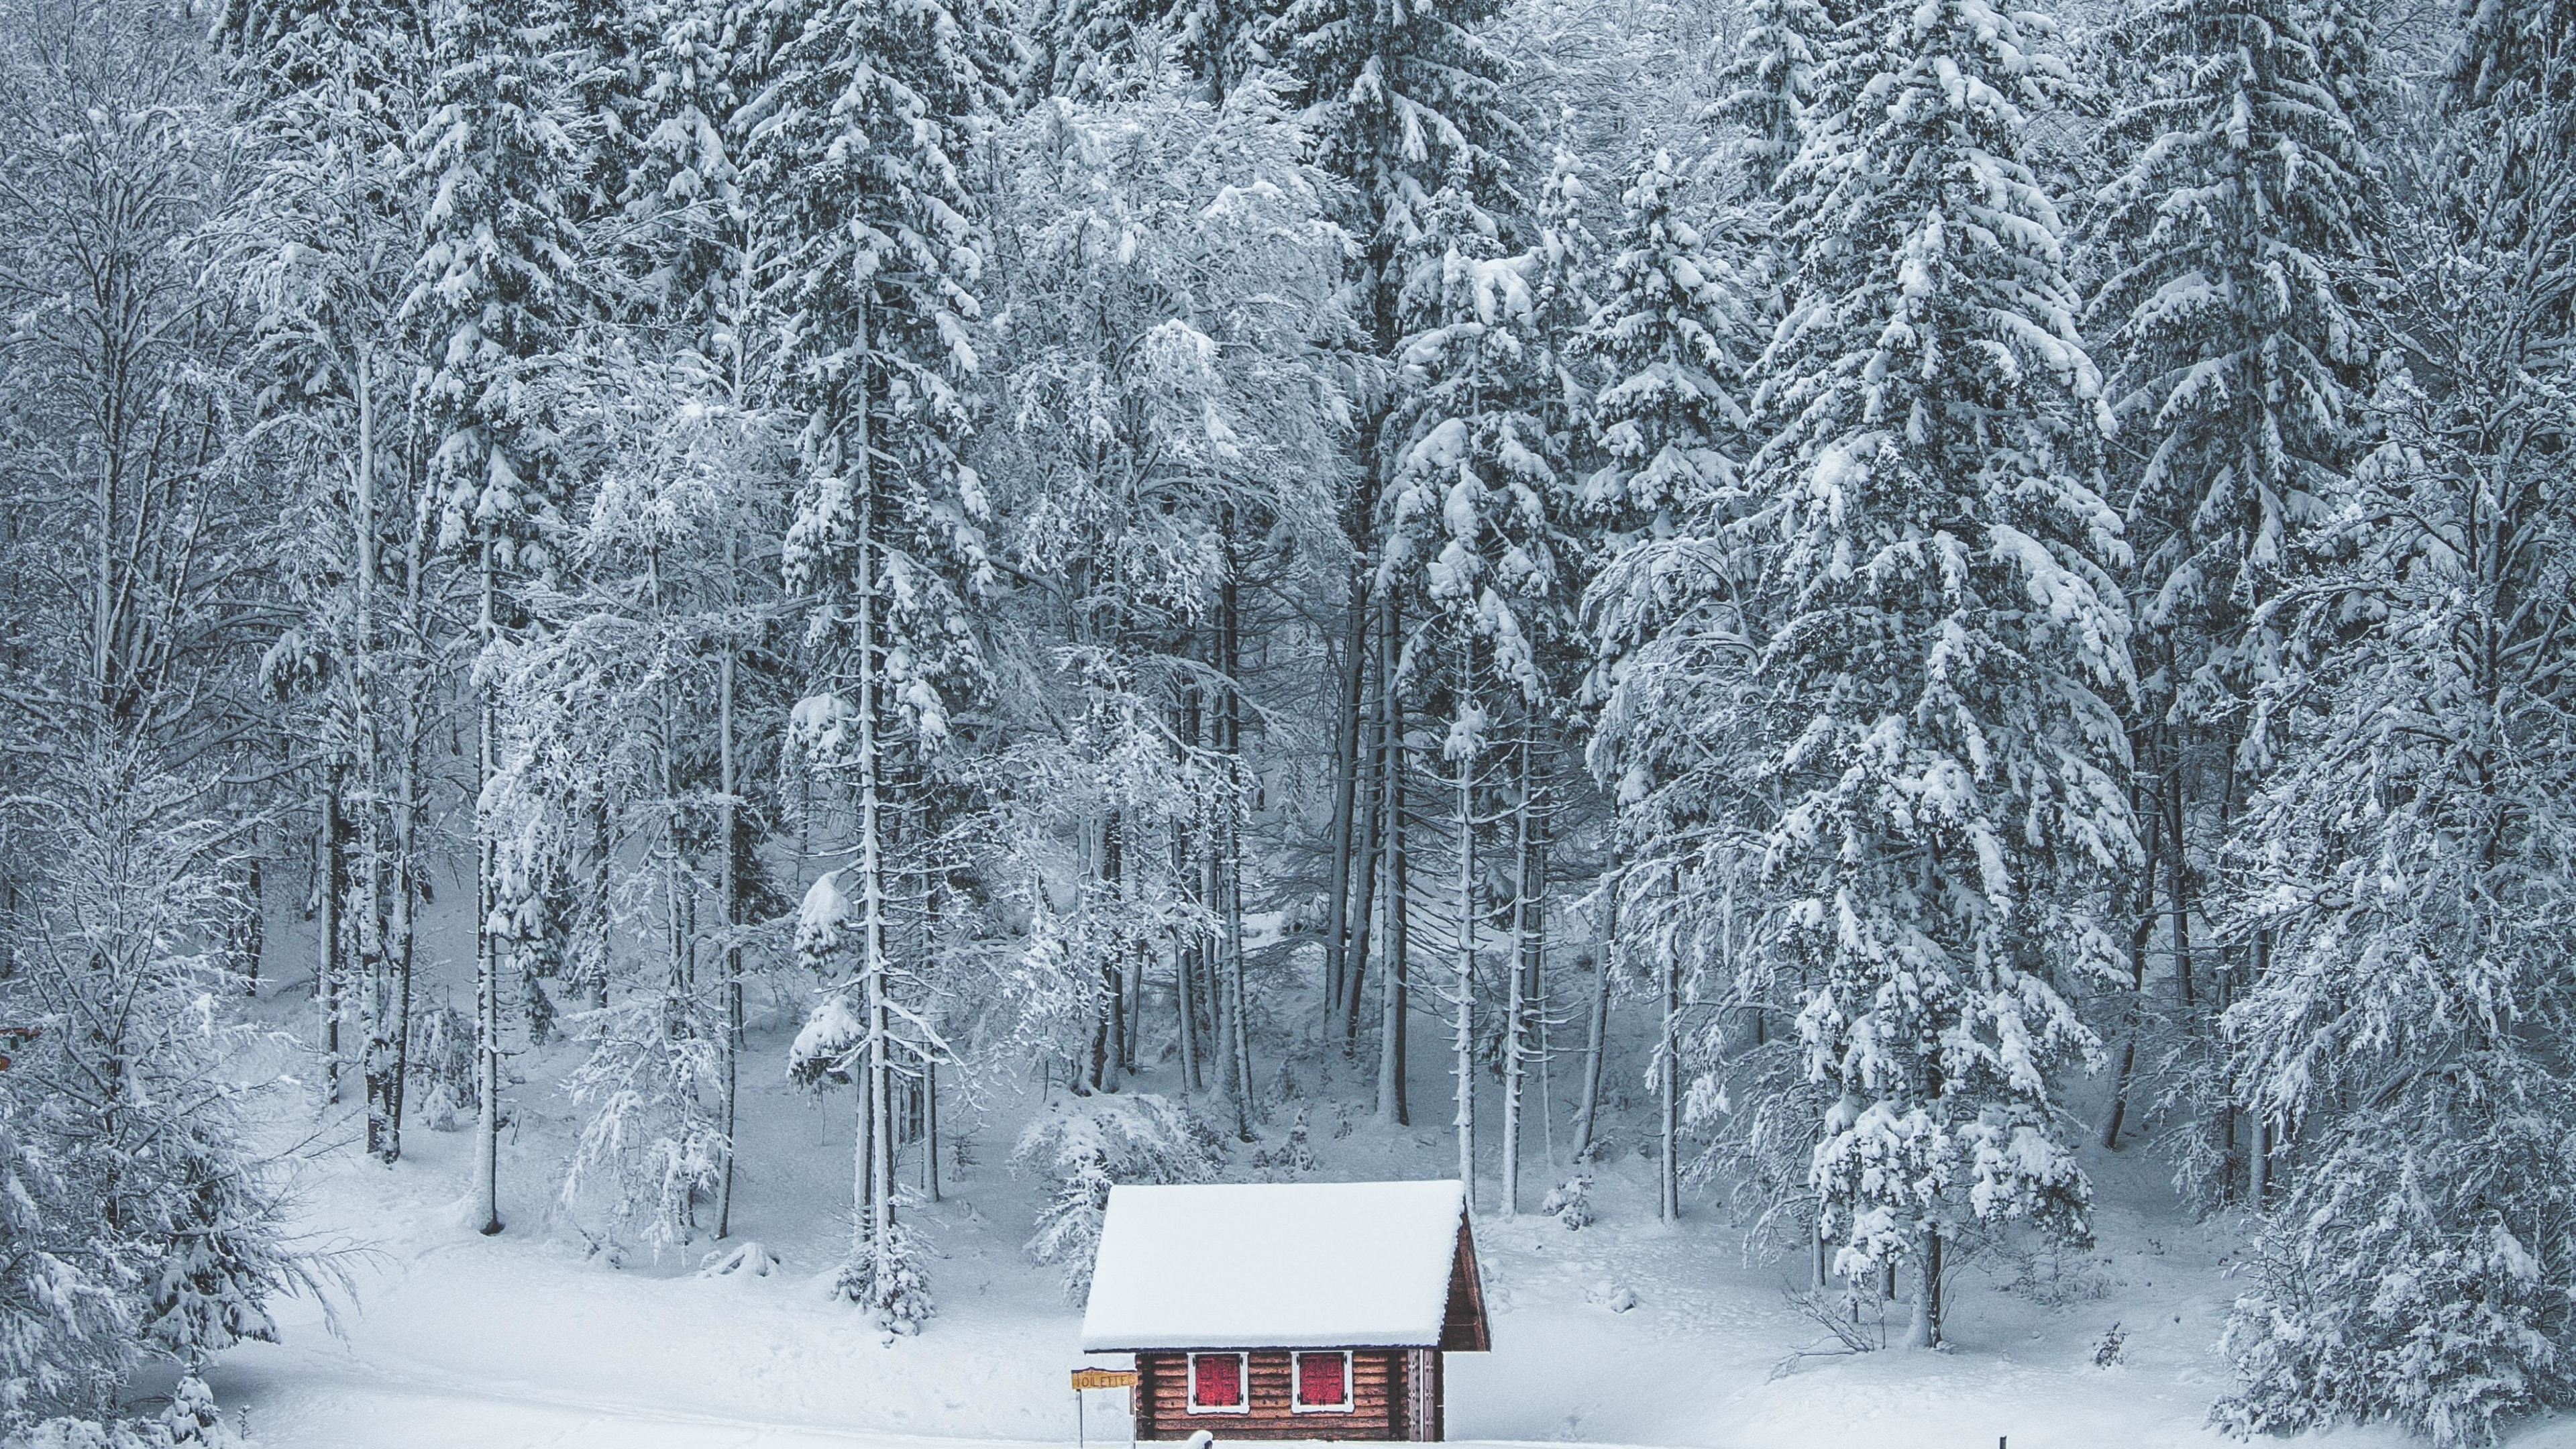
[1295, 1154]
[889, 1284]
[740, 1263]
[191, 1419]
[1570, 1203]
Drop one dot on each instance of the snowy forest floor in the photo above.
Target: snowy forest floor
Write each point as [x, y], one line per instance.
[457, 1341]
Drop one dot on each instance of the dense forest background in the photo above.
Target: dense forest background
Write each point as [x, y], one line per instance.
[1885, 554]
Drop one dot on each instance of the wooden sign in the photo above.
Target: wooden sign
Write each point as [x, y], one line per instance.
[1099, 1378]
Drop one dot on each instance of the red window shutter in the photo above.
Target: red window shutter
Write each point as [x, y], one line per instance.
[1216, 1380]
[1321, 1380]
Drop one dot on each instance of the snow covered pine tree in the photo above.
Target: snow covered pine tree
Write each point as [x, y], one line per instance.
[858, 147]
[2224, 250]
[2405, 858]
[1941, 646]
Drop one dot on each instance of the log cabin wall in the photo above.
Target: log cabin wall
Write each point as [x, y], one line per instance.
[1379, 1399]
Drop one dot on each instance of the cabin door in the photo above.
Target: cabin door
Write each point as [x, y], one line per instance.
[1422, 1395]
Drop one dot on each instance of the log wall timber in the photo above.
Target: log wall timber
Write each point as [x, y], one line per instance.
[1385, 1399]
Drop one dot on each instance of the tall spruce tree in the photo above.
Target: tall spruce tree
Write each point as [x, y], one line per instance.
[1401, 101]
[2401, 865]
[2226, 248]
[1478, 526]
[1941, 646]
[857, 151]
[2512, 86]
[494, 285]
[1771, 82]
[1674, 347]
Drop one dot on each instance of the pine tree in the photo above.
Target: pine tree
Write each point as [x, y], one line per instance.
[610, 712]
[1940, 645]
[2226, 249]
[2401, 863]
[494, 286]
[1671, 342]
[1479, 525]
[1401, 101]
[857, 151]
[333, 93]
[2512, 82]
[1674, 343]
[1165, 268]
[1771, 82]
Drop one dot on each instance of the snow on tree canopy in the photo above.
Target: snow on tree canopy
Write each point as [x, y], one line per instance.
[1274, 1265]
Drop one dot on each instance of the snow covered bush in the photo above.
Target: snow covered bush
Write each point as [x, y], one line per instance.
[1570, 1203]
[886, 1281]
[136, 1223]
[442, 1068]
[190, 1420]
[651, 1152]
[1294, 1154]
[1093, 1144]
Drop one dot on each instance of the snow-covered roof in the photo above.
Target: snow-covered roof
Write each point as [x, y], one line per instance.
[1274, 1265]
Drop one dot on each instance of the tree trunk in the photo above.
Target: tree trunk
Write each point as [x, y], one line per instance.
[487, 961]
[1596, 1032]
[1668, 1083]
[1340, 983]
[1239, 1041]
[1393, 967]
[326, 932]
[729, 892]
[375, 931]
[930, 1126]
[389, 1041]
[1210, 955]
[1230, 833]
[2258, 1149]
[1368, 827]
[401, 945]
[729, 813]
[1528, 947]
[1187, 946]
[1924, 1330]
[376, 1004]
[1463, 1006]
[2140, 932]
[2178, 884]
[1109, 1031]
[1184, 1010]
[254, 926]
[878, 1170]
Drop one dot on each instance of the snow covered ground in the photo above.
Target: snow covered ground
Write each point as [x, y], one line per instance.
[456, 1341]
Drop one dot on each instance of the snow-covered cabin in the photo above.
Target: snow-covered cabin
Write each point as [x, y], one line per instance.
[1287, 1310]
